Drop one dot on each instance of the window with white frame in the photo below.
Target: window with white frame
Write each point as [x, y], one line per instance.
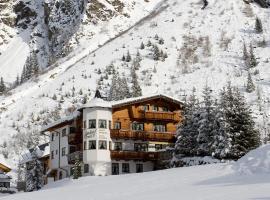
[63, 151]
[92, 124]
[92, 144]
[102, 144]
[64, 132]
[137, 126]
[159, 127]
[125, 167]
[102, 123]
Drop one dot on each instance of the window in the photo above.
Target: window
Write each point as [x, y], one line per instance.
[158, 147]
[92, 144]
[115, 168]
[139, 168]
[125, 167]
[117, 125]
[84, 145]
[92, 123]
[118, 146]
[140, 147]
[159, 127]
[64, 132]
[102, 144]
[165, 109]
[84, 124]
[52, 139]
[145, 107]
[137, 126]
[155, 108]
[56, 152]
[102, 123]
[63, 151]
[86, 168]
[52, 155]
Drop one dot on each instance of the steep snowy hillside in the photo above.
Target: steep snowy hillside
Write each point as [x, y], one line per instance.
[209, 182]
[198, 47]
[52, 30]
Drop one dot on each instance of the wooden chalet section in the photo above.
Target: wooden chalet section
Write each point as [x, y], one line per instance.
[159, 115]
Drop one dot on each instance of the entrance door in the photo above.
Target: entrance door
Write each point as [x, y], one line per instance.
[115, 168]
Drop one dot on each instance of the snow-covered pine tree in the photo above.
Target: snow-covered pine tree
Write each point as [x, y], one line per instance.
[114, 89]
[77, 168]
[206, 119]
[156, 52]
[252, 59]
[128, 57]
[245, 53]
[250, 85]
[124, 89]
[34, 173]
[2, 86]
[187, 132]
[136, 90]
[221, 140]
[142, 46]
[240, 126]
[258, 25]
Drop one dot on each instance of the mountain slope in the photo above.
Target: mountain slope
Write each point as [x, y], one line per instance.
[202, 47]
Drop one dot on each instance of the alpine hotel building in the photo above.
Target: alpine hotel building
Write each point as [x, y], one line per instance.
[112, 138]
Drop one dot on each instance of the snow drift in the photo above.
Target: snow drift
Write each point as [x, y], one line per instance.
[255, 162]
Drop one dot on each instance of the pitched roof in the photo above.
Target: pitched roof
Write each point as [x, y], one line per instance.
[116, 104]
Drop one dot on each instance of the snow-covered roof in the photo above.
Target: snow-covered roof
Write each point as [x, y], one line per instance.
[43, 151]
[145, 98]
[68, 118]
[97, 103]
[4, 176]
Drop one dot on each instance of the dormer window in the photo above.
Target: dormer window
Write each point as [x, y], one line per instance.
[155, 108]
[165, 109]
[145, 107]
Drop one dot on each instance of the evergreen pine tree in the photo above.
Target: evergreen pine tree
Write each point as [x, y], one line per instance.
[128, 57]
[156, 52]
[250, 85]
[136, 90]
[240, 126]
[77, 169]
[142, 46]
[245, 53]
[252, 59]
[2, 86]
[258, 25]
[187, 132]
[205, 138]
[124, 92]
[34, 174]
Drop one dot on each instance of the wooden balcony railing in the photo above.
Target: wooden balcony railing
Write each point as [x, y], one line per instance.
[155, 115]
[134, 155]
[143, 135]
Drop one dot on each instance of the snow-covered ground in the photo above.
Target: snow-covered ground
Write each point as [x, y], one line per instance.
[208, 182]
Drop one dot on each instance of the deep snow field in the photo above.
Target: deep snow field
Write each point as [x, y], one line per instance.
[247, 179]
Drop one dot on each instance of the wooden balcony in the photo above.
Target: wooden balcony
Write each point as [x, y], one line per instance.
[156, 115]
[134, 155]
[143, 135]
